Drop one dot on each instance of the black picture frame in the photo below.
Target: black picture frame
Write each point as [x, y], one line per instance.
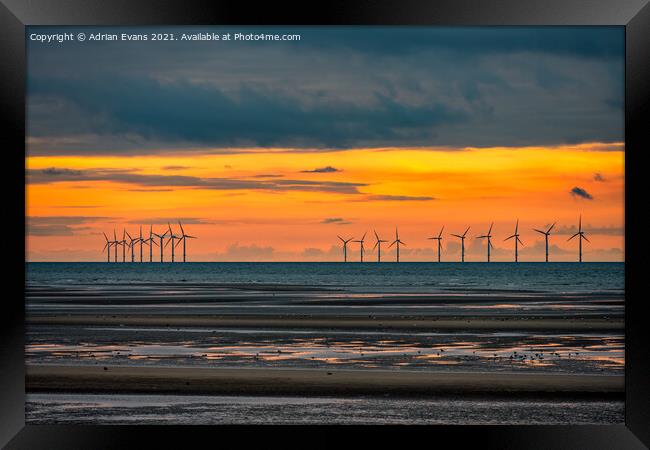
[634, 15]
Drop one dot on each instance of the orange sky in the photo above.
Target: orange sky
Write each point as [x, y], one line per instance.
[456, 188]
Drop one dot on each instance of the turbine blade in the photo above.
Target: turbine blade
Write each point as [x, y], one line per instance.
[490, 230]
[393, 243]
[179, 224]
[519, 240]
[508, 238]
[539, 231]
[577, 234]
[552, 226]
[466, 231]
[585, 238]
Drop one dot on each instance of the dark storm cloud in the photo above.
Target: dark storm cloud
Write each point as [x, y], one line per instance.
[185, 112]
[56, 175]
[581, 193]
[339, 87]
[328, 169]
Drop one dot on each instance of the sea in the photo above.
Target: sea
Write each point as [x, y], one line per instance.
[405, 276]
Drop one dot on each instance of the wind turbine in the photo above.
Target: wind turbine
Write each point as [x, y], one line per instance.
[183, 238]
[162, 238]
[462, 244]
[360, 241]
[582, 236]
[115, 242]
[123, 244]
[141, 242]
[439, 239]
[345, 247]
[150, 242]
[489, 240]
[546, 235]
[107, 245]
[172, 237]
[398, 242]
[517, 240]
[378, 246]
[131, 244]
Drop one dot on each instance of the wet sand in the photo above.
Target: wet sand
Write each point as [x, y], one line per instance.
[251, 381]
[571, 323]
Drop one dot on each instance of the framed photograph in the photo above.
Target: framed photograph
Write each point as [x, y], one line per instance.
[359, 213]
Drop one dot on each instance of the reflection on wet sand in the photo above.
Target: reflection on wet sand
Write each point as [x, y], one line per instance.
[587, 353]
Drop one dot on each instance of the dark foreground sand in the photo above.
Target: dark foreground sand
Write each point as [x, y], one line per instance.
[253, 381]
[340, 322]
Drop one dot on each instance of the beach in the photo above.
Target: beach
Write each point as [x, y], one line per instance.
[314, 344]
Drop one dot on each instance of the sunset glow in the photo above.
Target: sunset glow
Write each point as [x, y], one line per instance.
[419, 190]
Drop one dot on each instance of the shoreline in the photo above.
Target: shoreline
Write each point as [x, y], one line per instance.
[337, 322]
[257, 381]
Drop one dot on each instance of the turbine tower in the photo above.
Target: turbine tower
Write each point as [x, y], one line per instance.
[115, 243]
[462, 244]
[488, 236]
[360, 241]
[131, 244]
[183, 238]
[517, 241]
[581, 236]
[123, 244]
[150, 242]
[345, 247]
[546, 235]
[398, 242]
[378, 246]
[162, 239]
[439, 239]
[107, 246]
[172, 237]
[141, 242]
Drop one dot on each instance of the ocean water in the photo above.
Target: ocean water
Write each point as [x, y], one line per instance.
[369, 277]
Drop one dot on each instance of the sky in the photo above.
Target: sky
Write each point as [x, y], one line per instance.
[267, 150]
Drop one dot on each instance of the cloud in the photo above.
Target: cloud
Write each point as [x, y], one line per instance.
[313, 253]
[403, 87]
[328, 169]
[588, 229]
[335, 220]
[172, 220]
[55, 175]
[58, 225]
[253, 252]
[599, 177]
[400, 198]
[581, 193]
[175, 167]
